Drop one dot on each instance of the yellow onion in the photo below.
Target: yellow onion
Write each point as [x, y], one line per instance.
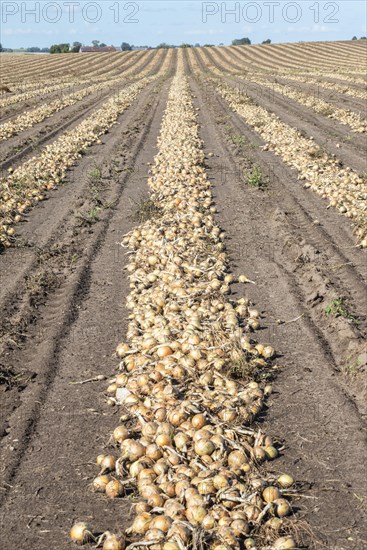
[236, 459]
[284, 543]
[240, 527]
[208, 522]
[141, 524]
[285, 481]
[120, 434]
[282, 507]
[270, 494]
[108, 463]
[204, 447]
[80, 533]
[114, 489]
[196, 514]
[161, 522]
[113, 542]
[100, 482]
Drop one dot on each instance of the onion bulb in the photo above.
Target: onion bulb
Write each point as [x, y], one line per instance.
[80, 533]
[284, 543]
[113, 542]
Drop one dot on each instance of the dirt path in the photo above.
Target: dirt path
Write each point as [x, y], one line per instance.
[71, 339]
[309, 408]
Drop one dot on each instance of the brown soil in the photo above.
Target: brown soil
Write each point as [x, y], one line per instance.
[63, 297]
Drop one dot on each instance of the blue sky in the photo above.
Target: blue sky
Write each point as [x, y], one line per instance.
[44, 22]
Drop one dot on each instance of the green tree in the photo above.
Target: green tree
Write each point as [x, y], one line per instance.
[95, 43]
[76, 47]
[240, 41]
[60, 48]
[125, 47]
[267, 41]
[1, 47]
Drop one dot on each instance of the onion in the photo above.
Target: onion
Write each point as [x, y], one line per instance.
[141, 524]
[80, 533]
[282, 507]
[114, 489]
[270, 494]
[271, 452]
[133, 451]
[236, 459]
[120, 434]
[196, 514]
[161, 522]
[204, 447]
[284, 543]
[113, 542]
[220, 481]
[107, 463]
[208, 522]
[149, 430]
[206, 487]
[240, 527]
[198, 421]
[285, 481]
[100, 482]
[142, 507]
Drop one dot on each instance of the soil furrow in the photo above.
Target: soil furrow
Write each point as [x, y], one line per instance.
[336, 267]
[56, 311]
[312, 411]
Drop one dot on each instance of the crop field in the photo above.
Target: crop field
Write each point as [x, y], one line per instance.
[183, 262]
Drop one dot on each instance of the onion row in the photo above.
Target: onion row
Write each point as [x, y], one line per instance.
[185, 441]
[347, 117]
[26, 185]
[321, 172]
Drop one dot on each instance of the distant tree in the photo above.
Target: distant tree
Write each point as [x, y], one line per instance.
[126, 47]
[267, 41]
[33, 49]
[163, 45]
[363, 38]
[102, 45]
[76, 47]
[95, 43]
[60, 48]
[45, 50]
[197, 45]
[221, 44]
[1, 47]
[354, 38]
[241, 41]
[208, 46]
[184, 45]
